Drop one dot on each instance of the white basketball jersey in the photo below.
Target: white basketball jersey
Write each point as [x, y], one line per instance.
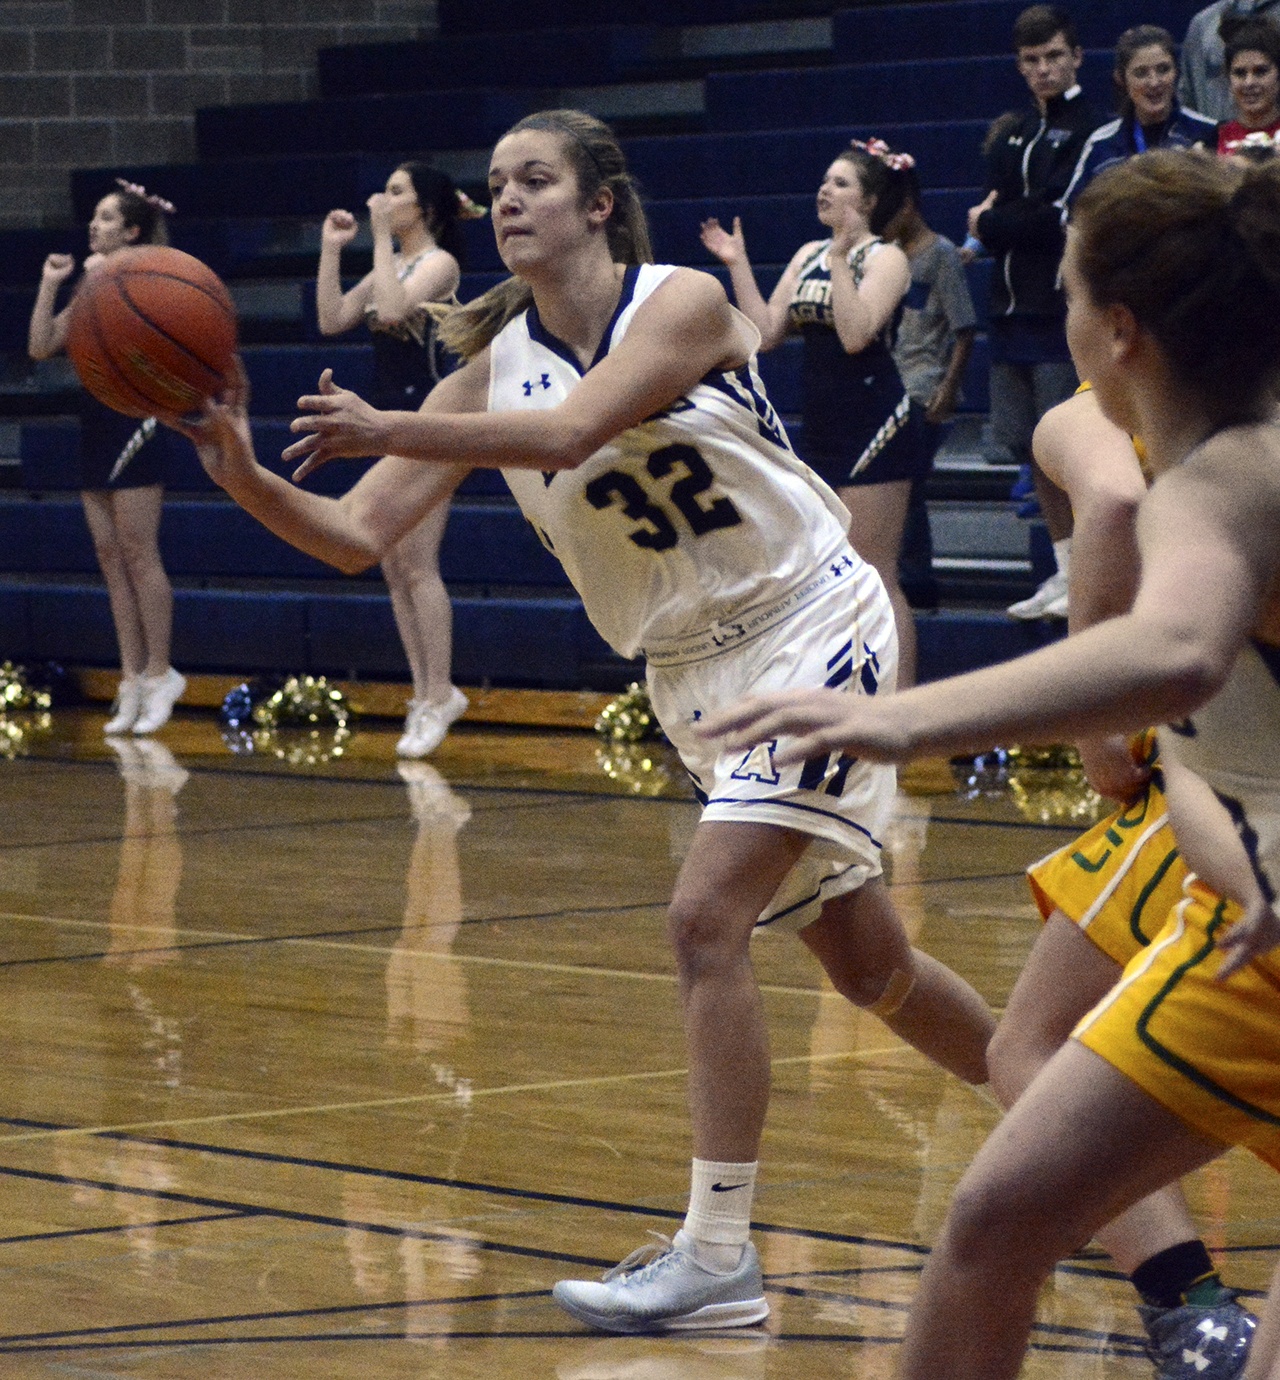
[1233, 742]
[679, 523]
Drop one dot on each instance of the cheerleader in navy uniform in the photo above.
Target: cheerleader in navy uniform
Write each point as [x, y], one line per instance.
[620, 401]
[121, 480]
[419, 210]
[843, 296]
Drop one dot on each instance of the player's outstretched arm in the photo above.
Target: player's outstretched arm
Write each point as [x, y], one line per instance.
[352, 532]
[1205, 527]
[683, 331]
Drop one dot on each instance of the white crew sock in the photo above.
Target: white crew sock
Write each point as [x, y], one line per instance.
[1062, 554]
[718, 1223]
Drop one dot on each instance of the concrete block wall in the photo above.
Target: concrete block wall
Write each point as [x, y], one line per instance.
[88, 83]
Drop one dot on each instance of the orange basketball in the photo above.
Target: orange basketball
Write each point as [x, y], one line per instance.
[152, 330]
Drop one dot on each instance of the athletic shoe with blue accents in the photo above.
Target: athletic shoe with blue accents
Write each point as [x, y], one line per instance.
[1199, 1342]
[661, 1288]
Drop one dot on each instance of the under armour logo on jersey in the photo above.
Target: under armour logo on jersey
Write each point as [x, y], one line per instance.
[758, 765]
[1197, 1357]
[838, 567]
[529, 385]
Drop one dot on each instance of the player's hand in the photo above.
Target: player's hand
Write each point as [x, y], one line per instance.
[1257, 932]
[1110, 767]
[337, 423]
[811, 722]
[730, 249]
[58, 268]
[220, 430]
[339, 229]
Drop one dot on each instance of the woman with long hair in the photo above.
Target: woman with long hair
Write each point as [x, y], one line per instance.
[619, 399]
[1145, 76]
[418, 254]
[1172, 274]
[843, 295]
[122, 501]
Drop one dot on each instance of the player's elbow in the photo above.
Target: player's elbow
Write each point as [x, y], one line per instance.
[1194, 669]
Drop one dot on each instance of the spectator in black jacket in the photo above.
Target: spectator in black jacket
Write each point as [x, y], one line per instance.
[1019, 224]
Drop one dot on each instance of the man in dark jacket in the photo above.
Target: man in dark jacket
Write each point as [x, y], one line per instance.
[1020, 225]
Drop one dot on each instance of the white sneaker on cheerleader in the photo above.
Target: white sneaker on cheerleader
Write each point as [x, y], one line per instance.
[661, 1288]
[1049, 601]
[427, 724]
[159, 695]
[125, 710]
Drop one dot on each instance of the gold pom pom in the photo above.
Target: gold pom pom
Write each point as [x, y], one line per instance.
[629, 718]
[1048, 785]
[17, 693]
[303, 702]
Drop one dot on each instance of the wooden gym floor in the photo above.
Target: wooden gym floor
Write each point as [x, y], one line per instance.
[309, 1070]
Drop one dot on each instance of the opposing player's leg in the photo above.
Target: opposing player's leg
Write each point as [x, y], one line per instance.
[1080, 1146]
[1065, 976]
[860, 942]
[1105, 896]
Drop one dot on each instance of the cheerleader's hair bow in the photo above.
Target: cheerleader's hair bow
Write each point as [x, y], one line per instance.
[468, 209]
[156, 202]
[877, 148]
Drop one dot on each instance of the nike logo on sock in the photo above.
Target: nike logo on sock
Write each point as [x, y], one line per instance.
[726, 1188]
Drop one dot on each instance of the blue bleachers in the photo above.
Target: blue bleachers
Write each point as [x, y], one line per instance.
[928, 77]
[568, 57]
[973, 28]
[872, 93]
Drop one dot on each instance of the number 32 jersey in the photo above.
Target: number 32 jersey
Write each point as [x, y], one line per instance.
[695, 515]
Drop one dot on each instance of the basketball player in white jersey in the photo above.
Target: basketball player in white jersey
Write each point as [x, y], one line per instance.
[620, 401]
[1173, 286]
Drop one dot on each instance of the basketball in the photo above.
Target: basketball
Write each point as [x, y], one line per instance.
[152, 331]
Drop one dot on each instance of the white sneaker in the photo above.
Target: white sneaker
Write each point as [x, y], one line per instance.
[159, 695]
[661, 1288]
[128, 703]
[1049, 601]
[427, 724]
[404, 748]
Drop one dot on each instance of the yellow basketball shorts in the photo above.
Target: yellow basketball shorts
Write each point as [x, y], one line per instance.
[1119, 881]
[1208, 1051]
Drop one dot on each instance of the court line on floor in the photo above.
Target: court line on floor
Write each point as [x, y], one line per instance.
[422, 1099]
[331, 939]
[120, 1227]
[559, 1257]
[531, 1195]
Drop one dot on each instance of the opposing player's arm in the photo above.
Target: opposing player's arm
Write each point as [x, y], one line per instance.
[1206, 535]
[1094, 462]
[682, 332]
[355, 531]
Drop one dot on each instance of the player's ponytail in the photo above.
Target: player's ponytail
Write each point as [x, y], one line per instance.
[1190, 244]
[598, 161]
